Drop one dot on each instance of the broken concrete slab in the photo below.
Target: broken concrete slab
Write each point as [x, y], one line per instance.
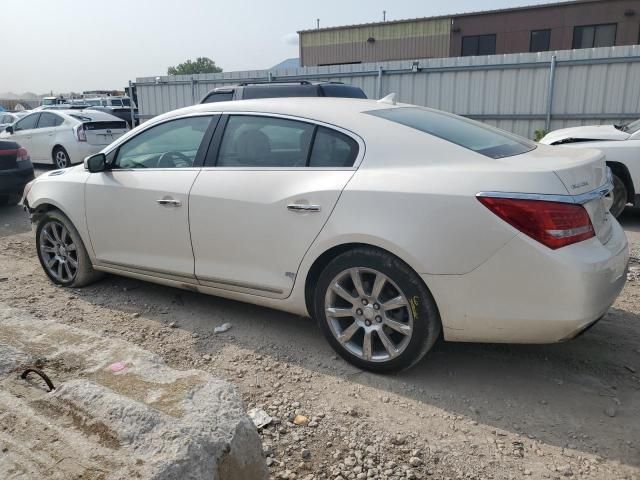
[141, 419]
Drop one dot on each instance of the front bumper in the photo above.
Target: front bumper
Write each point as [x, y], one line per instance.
[527, 293]
[12, 181]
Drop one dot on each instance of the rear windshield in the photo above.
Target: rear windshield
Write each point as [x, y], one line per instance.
[273, 91]
[475, 136]
[344, 91]
[633, 127]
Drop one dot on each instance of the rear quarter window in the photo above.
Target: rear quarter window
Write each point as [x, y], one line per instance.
[475, 136]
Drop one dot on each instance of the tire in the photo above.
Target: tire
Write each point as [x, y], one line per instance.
[620, 196]
[54, 229]
[61, 158]
[416, 321]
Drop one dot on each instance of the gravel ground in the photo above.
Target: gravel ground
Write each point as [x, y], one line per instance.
[569, 410]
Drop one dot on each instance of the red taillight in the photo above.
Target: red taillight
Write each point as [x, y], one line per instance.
[22, 155]
[81, 135]
[553, 224]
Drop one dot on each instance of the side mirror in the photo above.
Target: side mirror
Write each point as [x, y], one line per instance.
[96, 163]
[9, 129]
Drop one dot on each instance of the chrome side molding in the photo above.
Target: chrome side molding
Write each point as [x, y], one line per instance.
[581, 199]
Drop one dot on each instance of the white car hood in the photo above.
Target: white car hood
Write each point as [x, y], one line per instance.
[588, 132]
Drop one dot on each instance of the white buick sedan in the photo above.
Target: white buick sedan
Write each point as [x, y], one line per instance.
[389, 224]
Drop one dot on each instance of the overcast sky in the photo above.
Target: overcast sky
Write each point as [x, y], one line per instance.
[64, 45]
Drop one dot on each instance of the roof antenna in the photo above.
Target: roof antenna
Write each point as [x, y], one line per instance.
[317, 23]
[390, 99]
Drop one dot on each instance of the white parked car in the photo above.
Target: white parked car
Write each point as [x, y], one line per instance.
[387, 223]
[8, 118]
[621, 147]
[64, 137]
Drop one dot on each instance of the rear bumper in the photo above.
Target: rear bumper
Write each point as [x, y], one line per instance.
[527, 293]
[78, 151]
[12, 181]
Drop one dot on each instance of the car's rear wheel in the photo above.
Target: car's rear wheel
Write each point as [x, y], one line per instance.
[62, 253]
[61, 158]
[619, 196]
[375, 310]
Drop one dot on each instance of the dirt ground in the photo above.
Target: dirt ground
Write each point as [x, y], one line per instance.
[569, 410]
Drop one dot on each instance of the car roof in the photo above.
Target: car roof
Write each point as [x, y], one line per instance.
[345, 112]
[92, 115]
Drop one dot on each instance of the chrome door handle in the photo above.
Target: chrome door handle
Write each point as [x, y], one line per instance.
[302, 207]
[170, 202]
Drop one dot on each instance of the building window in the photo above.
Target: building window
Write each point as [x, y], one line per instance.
[594, 36]
[540, 40]
[478, 45]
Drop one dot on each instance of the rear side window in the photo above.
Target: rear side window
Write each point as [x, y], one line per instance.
[475, 136]
[49, 120]
[333, 149]
[28, 122]
[251, 141]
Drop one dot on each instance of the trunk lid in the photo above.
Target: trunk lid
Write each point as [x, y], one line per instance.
[104, 132]
[583, 173]
[586, 133]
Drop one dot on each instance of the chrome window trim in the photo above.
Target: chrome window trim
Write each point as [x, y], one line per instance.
[576, 199]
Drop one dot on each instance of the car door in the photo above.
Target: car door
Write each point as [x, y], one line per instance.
[43, 136]
[137, 211]
[23, 132]
[267, 188]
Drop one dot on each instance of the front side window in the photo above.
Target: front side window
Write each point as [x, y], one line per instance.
[49, 120]
[540, 41]
[255, 141]
[475, 136]
[173, 144]
[478, 45]
[594, 36]
[116, 102]
[28, 122]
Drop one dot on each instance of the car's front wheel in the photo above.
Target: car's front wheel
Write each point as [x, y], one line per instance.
[375, 310]
[62, 253]
[61, 157]
[619, 196]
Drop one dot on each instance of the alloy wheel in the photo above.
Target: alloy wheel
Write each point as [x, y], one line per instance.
[368, 314]
[62, 161]
[58, 251]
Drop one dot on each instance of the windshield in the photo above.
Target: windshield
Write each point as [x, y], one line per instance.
[633, 127]
[475, 136]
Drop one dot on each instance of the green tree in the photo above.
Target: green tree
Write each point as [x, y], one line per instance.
[201, 65]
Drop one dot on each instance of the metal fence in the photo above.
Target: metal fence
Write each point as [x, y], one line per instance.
[517, 92]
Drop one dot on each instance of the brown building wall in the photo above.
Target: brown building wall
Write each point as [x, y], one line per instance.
[513, 28]
[419, 38]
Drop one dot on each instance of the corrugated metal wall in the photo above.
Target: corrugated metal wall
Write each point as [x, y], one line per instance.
[510, 91]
